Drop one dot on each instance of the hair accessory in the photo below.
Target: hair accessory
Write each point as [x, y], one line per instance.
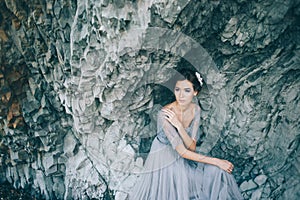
[199, 78]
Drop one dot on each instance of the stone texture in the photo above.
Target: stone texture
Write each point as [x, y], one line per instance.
[81, 83]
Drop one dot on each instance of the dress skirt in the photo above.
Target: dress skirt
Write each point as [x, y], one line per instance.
[167, 176]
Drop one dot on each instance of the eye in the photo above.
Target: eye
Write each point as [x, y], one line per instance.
[176, 89]
[187, 90]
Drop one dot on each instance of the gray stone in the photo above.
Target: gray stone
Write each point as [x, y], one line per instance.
[81, 83]
[261, 179]
[256, 195]
[248, 185]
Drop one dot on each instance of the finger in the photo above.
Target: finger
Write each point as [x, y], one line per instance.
[170, 114]
[230, 165]
[168, 111]
[167, 118]
[166, 115]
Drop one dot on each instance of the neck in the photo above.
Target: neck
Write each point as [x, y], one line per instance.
[183, 108]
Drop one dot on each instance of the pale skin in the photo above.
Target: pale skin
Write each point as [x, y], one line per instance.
[180, 113]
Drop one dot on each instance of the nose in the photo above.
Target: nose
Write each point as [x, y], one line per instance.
[180, 94]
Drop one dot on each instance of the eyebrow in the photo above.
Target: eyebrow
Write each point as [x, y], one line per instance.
[184, 88]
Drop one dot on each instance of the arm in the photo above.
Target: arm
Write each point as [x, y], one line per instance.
[179, 146]
[185, 153]
[189, 142]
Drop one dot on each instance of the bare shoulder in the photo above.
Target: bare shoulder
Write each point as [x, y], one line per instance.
[197, 108]
[169, 106]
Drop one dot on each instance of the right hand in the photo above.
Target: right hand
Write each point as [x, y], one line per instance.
[225, 165]
[172, 117]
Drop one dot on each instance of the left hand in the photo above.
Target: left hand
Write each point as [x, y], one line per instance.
[172, 117]
[225, 165]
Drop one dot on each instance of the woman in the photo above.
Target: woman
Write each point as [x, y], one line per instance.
[173, 170]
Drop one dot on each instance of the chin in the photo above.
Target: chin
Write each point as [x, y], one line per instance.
[183, 103]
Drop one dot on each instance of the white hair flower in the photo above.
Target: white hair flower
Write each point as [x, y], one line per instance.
[200, 79]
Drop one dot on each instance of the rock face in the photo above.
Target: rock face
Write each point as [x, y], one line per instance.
[81, 83]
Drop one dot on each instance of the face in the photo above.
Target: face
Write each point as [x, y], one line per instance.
[184, 92]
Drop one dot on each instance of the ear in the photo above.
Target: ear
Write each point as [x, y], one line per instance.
[195, 93]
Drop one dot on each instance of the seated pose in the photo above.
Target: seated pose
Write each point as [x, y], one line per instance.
[173, 170]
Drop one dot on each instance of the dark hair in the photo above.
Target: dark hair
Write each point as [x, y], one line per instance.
[190, 75]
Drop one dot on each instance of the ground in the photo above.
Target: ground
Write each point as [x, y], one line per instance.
[8, 192]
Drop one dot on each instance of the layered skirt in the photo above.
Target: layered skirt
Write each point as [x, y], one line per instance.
[167, 176]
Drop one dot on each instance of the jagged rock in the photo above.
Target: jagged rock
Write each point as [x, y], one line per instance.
[81, 83]
[261, 179]
[248, 185]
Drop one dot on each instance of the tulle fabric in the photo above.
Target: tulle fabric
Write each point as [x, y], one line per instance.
[167, 176]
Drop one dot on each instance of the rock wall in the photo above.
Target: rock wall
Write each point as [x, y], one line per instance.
[81, 82]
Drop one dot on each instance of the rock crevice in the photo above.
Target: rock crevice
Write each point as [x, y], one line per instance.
[81, 83]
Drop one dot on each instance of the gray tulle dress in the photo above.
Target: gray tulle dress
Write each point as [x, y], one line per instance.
[168, 176]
